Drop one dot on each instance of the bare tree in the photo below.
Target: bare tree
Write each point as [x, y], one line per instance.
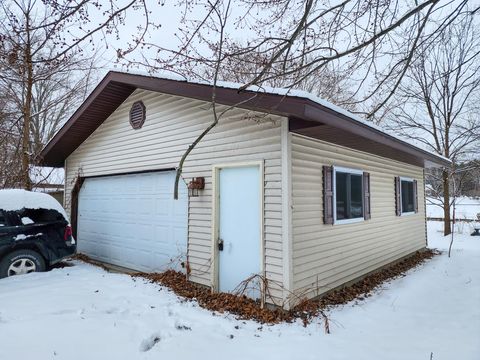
[55, 97]
[292, 40]
[9, 145]
[330, 83]
[439, 103]
[43, 66]
[471, 182]
[299, 40]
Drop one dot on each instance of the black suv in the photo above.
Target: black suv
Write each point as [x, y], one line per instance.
[32, 240]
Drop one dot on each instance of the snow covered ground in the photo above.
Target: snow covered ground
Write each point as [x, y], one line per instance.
[83, 312]
[466, 208]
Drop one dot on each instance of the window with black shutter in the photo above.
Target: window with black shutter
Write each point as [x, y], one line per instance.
[346, 195]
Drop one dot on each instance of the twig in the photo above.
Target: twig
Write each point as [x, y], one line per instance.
[453, 220]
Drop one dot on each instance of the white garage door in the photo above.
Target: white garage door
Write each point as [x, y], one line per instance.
[133, 221]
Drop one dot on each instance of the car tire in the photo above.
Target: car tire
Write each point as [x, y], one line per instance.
[21, 262]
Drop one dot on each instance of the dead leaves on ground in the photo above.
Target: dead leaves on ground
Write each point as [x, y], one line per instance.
[247, 309]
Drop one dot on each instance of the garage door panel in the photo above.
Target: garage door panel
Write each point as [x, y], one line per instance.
[133, 221]
[162, 207]
[145, 232]
[178, 236]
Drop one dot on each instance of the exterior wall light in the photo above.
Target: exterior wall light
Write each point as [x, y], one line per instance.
[194, 185]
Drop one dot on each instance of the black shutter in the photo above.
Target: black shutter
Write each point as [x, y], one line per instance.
[398, 197]
[328, 194]
[366, 196]
[415, 196]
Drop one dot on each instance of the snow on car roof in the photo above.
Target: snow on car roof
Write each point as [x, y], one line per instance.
[17, 199]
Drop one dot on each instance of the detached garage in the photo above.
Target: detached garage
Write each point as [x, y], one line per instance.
[287, 187]
[132, 221]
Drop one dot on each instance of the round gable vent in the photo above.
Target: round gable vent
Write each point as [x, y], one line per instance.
[137, 115]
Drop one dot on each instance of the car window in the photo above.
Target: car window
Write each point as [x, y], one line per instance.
[3, 219]
[29, 216]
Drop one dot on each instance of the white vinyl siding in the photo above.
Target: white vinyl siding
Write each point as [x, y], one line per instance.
[172, 124]
[320, 256]
[326, 256]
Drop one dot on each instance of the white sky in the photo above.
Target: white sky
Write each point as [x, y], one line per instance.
[168, 16]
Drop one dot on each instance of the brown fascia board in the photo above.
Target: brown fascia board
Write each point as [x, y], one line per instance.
[74, 131]
[62, 145]
[256, 101]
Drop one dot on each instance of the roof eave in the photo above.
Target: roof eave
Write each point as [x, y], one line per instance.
[283, 105]
[45, 156]
[318, 113]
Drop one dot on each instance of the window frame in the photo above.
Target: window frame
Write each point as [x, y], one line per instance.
[334, 182]
[406, 213]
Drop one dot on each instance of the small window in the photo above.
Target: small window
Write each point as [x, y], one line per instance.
[407, 196]
[348, 195]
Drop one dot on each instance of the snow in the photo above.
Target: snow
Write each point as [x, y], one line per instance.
[465, 208]
[26, 220]
[17, 199]
[83, 312]
[24, 237]
[284, 92]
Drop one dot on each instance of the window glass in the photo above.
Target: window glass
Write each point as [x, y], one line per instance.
[39, 215]
[348, 195]
[3, 220]
[341, 195]
[356, 205]
[407, 196]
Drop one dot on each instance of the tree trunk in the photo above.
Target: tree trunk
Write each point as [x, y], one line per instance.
[27, 112]
[26, 182]
[447, 229]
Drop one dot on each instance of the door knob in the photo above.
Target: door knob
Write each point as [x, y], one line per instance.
[220, 244]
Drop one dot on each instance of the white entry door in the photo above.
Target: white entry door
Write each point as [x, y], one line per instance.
[133, 221]
[239, 227]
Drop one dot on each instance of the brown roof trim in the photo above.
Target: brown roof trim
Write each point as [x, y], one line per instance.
[330, 117]
[116, 87]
